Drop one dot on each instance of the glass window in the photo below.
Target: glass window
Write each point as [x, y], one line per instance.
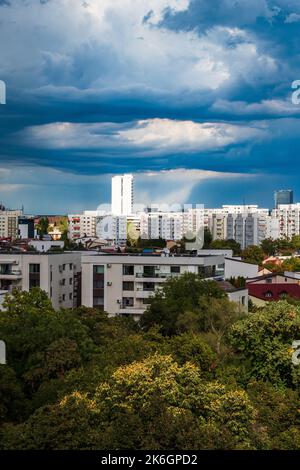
[34, 268]
[128, 285]
[128, 270]
[98, 269]
[98, 284]
[127, 302]
[175, 269]
[149, 271]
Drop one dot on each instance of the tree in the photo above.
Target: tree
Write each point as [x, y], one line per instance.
[43, 226]
[207, 238]
[178, 295]
[269, 246]
[30, 327]
[265, 339]
[227, 244]
[253, 254]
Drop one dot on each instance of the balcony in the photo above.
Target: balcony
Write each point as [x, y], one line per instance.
[132, 311]
[11, 275]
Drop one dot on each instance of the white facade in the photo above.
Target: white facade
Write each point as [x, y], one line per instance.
[288, 216]
[122, 194]
[9, 224]
[236, 267]
[45, 245]
[54, 273]
[122, 284]
[82, 225]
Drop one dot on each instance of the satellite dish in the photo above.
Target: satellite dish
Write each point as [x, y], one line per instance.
[2, 352]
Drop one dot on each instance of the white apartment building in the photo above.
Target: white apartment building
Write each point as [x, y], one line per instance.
[9, 223]
[122, 194]
[288, 216]
[57, 274]
[82, 225]
[121, 284]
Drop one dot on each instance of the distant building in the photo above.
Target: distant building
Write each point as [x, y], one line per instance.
[9, 223]
[82, 225]
[283, 196]
[26, 227]
[122, 194]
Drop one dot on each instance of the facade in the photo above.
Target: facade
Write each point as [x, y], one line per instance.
[272, 287]
[9, 223]
[284, 196]
[82, 225]
[122, 194]
[121, 284]
[235, 267]
[46, 245]
[57, 274]
[25, 227]
[288, 216]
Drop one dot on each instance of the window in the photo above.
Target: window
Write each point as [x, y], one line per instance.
[146, 301]
[283, 294]
[149, 286]
[70, 296]
[98, 284]
[268, 294]
[63, 282]
[128, 285]
[64, 296]
[128, 270]
[64, 267]
[149, 271]
[34, 283]
[34, 268]
[71, 281]
[127, 302]
[71, 266]
[269, 280]
[98, 269]
[175, 269]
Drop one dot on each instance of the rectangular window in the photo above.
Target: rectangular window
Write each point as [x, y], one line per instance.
[149, 271]
[175, 269]
[128, 285]
[128, 270]
[98, 283]
[71, 296]
[34, 268]
[149, 286]
[98, 269]
[127, 302]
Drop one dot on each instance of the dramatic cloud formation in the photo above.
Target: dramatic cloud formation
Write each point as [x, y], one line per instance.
[154, 87]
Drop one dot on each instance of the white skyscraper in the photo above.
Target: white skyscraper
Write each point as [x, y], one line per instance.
[122, 194]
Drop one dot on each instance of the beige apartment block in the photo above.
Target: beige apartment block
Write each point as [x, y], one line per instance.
[57, 274]
[121, 284]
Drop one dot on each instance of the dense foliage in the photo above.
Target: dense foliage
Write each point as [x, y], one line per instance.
[196, 373]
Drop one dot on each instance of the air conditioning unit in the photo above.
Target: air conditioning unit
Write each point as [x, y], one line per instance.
[157, 268]
[109, 265]
[109, 283]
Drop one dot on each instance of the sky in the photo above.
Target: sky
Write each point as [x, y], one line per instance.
[194, 97]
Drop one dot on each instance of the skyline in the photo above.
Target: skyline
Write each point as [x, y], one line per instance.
[192, 97]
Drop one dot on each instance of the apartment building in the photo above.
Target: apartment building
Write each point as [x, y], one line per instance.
[121, 284]
[122, 194]
[57, 274]
[288, 216]
[9, 223]
[82, 225]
